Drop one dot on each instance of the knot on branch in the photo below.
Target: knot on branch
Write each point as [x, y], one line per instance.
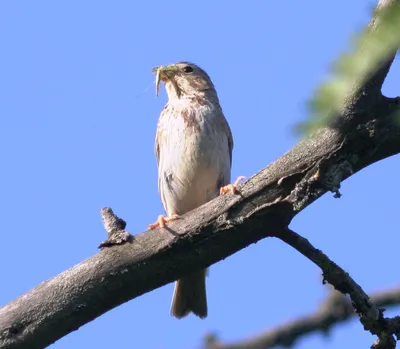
[115, 228]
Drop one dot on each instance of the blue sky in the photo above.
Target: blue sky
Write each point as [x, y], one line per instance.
[78, 116]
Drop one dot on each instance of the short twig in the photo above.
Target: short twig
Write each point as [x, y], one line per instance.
[115, 228]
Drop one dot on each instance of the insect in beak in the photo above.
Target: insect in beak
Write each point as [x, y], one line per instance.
[157, 71]
[157, 81]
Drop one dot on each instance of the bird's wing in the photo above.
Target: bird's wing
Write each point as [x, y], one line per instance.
[159, 136]
[228, 131]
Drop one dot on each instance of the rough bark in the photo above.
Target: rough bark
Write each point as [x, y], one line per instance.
[363, 133]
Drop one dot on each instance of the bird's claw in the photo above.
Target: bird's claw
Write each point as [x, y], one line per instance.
[162, 220]
[232, 188]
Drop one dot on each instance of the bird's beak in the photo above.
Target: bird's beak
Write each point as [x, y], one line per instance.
[163, 73]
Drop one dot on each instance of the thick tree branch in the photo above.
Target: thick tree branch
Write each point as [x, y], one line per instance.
[376, 80]
[336, 309]
[267, 203]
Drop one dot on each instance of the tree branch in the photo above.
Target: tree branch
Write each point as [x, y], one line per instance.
[376, 80]
[267, 203]
[335, 309]
[370, 317]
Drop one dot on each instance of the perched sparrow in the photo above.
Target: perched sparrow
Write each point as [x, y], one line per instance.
[193, 147]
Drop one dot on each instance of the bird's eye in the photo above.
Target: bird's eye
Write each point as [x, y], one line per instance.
[188, 69]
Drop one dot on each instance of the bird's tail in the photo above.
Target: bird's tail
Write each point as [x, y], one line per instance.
[190, 296]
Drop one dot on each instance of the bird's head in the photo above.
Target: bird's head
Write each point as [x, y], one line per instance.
[183, 79]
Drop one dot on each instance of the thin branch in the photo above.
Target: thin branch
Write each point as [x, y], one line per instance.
[334, 310]
[370, 316]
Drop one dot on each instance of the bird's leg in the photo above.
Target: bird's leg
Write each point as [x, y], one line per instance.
[231, 187]
[162, 220]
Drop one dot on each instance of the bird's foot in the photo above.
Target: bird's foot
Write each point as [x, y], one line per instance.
[162, 220]
[231, 187]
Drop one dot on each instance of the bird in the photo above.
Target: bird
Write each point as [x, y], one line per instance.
[193, 148]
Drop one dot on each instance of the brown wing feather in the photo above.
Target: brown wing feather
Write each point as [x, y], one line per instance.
[159, 135]
[226, 127]
[157, 145]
